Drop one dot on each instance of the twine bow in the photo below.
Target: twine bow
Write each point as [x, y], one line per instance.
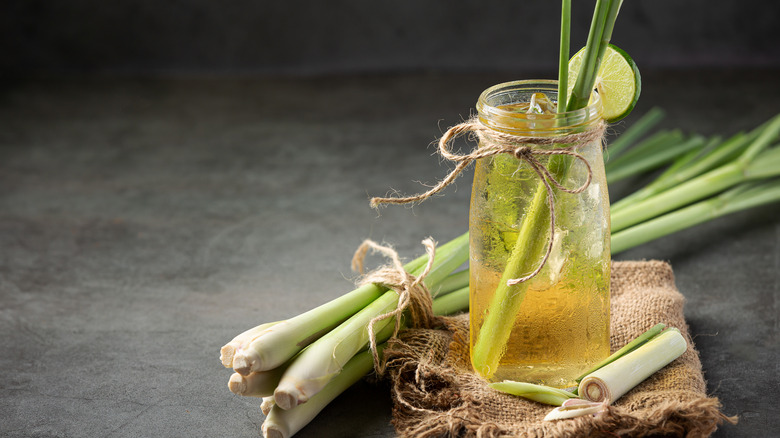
[492, 142]
[412, 292]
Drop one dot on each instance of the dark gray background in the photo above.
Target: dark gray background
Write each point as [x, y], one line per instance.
[172, 173]
[310, 37]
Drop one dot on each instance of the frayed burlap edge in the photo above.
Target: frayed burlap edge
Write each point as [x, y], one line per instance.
[435, 394]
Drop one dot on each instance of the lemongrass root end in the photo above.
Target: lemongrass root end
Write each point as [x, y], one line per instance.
[237, 384]
[274, 431]
[289, 398]
[242, 365]
[226, 354]
[266, 405]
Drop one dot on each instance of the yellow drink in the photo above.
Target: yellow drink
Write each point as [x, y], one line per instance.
[555, 325]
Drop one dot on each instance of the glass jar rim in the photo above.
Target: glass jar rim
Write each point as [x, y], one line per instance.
[518, 122]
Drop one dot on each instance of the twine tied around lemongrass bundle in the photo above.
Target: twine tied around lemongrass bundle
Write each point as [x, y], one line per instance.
[524, 148]
[412, 292]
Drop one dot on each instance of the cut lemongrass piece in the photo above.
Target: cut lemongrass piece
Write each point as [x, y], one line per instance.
[610, 382]
[631, 346]
[538, 393]
[575, 409]
[229, 350]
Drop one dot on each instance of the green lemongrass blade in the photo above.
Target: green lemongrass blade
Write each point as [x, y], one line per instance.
[453, 302]
[631, 346]
[282, 423]
[453, 282]
[633, 133]
[563, 55]
[656, 160]
[696, 189]
[647, 147]
[670, 177]
[686, 161]
[610, 382]
[752, 195]
[284, 340]
[662, 226]
[538, 393]
[768, 134]
[712, 159]
[742, 197]
[652, 189]
[586, 77]
[324, 358]
[766, 164]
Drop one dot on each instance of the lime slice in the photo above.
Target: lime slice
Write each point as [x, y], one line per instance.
[618, 82]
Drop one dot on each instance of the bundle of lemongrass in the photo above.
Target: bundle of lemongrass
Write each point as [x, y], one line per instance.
[297, 366]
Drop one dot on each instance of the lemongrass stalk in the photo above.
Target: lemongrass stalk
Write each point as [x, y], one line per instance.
[266, 405]
[754, 162]
[490, 342]
[453, 282]
[324, 358]
[563, 55]
[647, 147]
[281, 423]
[538, 393]
[259, 384]
[654, 160]
[228, 351]
[688, 160]
[684, 171]
[744, 196]
[287, 338]
[633, 133]
[604, 16]
[631, 346]
[679, 171]
[766, 165]
[612, 381]
[452, 302]
[711, 183]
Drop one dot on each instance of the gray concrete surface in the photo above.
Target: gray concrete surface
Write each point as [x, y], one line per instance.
[145, 222]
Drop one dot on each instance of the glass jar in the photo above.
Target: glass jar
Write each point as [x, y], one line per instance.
[552, 327]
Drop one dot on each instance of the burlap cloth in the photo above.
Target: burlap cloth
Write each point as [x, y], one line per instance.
[435, 393]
